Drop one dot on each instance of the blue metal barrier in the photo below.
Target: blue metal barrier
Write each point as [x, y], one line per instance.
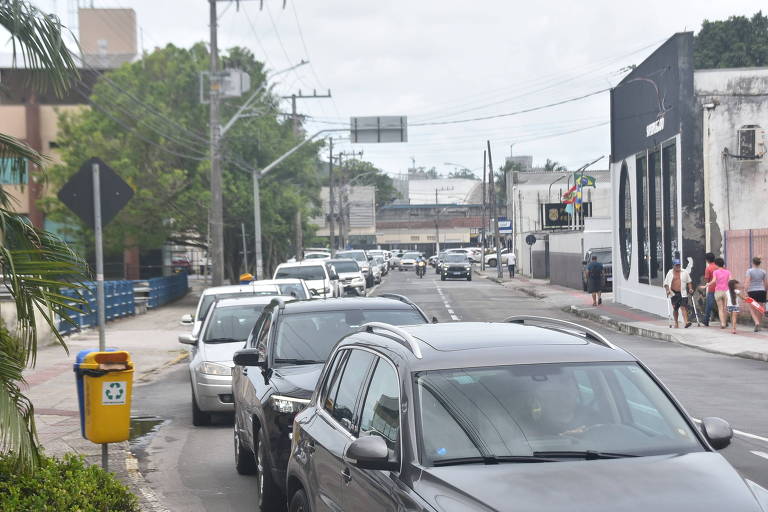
[119, 300]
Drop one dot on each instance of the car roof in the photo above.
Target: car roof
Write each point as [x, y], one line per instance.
[344, 260]
[281, 280]
[235, 288]
[345, 303]
[479, 344]
[250, 299]
[314, 263]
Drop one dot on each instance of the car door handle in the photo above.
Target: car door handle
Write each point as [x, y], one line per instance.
[346, 475]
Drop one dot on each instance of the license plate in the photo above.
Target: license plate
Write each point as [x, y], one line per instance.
[609, 279]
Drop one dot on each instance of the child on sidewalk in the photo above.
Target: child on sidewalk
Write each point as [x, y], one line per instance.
[732, 298]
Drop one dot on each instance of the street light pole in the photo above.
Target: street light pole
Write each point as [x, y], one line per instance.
[437, 225]
[217, 202]
[484, 224]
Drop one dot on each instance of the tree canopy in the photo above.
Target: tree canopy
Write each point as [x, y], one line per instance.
[462, 174]
[736, 42]
[369, 174]
[422, 173]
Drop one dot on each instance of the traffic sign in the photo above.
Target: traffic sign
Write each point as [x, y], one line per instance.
[505, 226]
[530, 239]
[77, 193]
[378, 129]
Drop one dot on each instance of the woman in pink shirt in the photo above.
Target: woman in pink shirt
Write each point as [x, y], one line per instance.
[720, 278]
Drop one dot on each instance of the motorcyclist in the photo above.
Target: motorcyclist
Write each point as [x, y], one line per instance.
[421, 265]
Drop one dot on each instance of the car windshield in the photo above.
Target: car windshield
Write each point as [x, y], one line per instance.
[543, 409]
[311, 336]
[379, 260]
[207, 300]
[317, 255]
[355, 255]
[456, 258]
[293, 289]
[232, 323]
[308, 273]
[602, 257]
[411, 255]
[346, 266]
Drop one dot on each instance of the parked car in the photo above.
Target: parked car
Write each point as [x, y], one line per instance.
[439, 262]
[276, 373]
[408, 261]
[381, 264]
[350, 275]
[226, 327]
[313, 255]
[490, 258]
[362, 259]
[396, 257]
[319, 278]
[379, 252]
[472, 254]
[533, 414]
[292, 287]
[210, 295]
[456, 265]
[604, 256]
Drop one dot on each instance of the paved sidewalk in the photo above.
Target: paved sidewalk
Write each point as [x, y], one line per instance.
[150, 338]
[745, 343]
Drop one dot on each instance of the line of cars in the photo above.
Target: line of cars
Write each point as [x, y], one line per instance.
[360, 403]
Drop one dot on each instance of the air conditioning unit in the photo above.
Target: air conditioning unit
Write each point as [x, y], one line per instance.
[751, 142]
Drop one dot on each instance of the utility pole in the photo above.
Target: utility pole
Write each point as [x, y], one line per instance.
[437, 225]
[259, 264]
[295, 116]
[331, 202]
[299, 235]
[499, 271]
[217, 202]
[484, 224]
[245, 248]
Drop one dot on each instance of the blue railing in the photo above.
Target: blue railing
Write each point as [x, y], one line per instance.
[119, 300]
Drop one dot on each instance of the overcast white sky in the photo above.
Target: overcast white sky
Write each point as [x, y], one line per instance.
[438, 60]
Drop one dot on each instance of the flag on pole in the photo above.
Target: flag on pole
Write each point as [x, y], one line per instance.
[587, 181]
[569, 208]
[570, 195]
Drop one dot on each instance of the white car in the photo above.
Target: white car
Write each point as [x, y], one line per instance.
[363, 260]
[294, 287]
[468, 251]
[381, 263]
[321, 281]
[313, 255]
[350, 275]
[490, 258]
[210, 295]
[408, 261]
[227, 325]
[379, 252]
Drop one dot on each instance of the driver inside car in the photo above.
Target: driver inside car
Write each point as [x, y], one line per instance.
[556, 406]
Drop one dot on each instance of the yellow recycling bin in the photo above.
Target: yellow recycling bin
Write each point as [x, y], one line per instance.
[107, 387]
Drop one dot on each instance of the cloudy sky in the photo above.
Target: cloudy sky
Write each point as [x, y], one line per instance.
[437, 61]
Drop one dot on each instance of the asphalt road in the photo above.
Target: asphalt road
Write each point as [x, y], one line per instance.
[193, 468]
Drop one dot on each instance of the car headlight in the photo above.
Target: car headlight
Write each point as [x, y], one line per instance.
[287, 404]
[467, 267]
[209, 368]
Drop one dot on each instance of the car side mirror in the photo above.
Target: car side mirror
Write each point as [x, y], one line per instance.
[717, 431]
[434, 320]
[248, 357]
[370, 258]
[370, 452]
[187, 320]
[187, 339]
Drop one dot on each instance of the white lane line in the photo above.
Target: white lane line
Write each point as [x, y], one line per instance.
[759, 454]
[451, 312]
[742, 433]
[454, 318]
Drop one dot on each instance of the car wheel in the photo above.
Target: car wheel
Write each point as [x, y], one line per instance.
[442, 278]
[299, 502]
[200, 418]
[245, 462]
[492, 262]
[269, 494]
[469, 277]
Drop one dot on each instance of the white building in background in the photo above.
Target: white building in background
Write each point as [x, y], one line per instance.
[355, 212]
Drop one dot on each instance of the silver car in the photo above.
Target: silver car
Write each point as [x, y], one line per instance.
[226, 327]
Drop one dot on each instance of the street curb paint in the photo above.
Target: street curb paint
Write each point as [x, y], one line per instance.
[140, 483]
[145, 375]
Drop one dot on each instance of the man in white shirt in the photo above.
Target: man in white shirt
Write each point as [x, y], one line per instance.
[678, 286]
[511, 262]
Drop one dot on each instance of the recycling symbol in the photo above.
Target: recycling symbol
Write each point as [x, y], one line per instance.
[113, 393]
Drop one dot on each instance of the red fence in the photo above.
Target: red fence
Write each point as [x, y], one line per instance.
[740, 246]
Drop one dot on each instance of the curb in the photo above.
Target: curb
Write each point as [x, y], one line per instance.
[526, 290]
[146, 375]
[148, 496]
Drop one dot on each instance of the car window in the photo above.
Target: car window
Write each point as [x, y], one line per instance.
[232, 323]
[346, 266]
[381, 410]
[456, 257]
[293, 289]
[411, 255]
[312, 335]
[352, 378]
[308, 273]
[602, 256]
[331, 380]
[263, 337]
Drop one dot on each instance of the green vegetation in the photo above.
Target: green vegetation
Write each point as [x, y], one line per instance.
[463, 174]
[58, 485]
[738, 42]
[369, 175]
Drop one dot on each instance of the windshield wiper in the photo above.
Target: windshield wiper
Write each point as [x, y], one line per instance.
[298, 361]
[493, 459]
[586, 455]
[223, 340]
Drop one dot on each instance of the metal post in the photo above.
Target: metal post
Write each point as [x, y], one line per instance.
[331, 201]
[217, 202]
[499, 271]
[483, 222]
[100, 313]
[299, 236]
[437, 224]
[257, 226]
[245, 248]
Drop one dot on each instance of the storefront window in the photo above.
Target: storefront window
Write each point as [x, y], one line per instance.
[643, 248]
[625, 221]
[669, 164]
[655, 205]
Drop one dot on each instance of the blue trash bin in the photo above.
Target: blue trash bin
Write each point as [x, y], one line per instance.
[79, 381]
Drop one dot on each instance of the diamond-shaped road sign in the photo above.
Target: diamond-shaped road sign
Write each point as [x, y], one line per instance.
[77, 193]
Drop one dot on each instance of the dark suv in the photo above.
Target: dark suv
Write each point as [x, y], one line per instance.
[456, 265]
[276, 372]
[532, 414]
[603, 255]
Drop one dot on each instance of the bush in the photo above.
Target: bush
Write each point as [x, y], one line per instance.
[62, 484]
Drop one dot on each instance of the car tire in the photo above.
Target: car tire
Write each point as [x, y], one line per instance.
[245, 462]
[299, 502]
[469, 277]
[442, 278]
[270, 497]
[200, 418]
[492, 262]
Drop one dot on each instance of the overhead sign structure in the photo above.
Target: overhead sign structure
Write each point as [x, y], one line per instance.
[77, 193]
[377, 129]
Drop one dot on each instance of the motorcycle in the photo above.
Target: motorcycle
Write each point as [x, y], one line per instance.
[421, 269]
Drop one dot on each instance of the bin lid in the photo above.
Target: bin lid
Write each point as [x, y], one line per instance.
[81, 355]
[109, 360]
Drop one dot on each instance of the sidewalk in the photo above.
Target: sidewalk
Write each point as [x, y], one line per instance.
[745, 344]
[151, 339]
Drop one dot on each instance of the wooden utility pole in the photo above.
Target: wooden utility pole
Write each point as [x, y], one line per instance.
[484, 223]
[331, 202]
[499, 271]
[295, 116]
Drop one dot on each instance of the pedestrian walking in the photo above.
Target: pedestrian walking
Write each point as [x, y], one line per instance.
[710, 304]
[732, 302]
[593, 275]
[756, 284]
[678, 285]
[511, 262]
[720, 278]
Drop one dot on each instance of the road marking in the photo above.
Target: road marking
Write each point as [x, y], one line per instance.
[759, 454]
[451, 312]
[454, 318]
[743, 434]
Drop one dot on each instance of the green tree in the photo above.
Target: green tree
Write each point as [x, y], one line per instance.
[365, 173]
[736, 42]
[462, 174]
[422, 173]
[34, 265]
[554, 166]
[146, 121]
